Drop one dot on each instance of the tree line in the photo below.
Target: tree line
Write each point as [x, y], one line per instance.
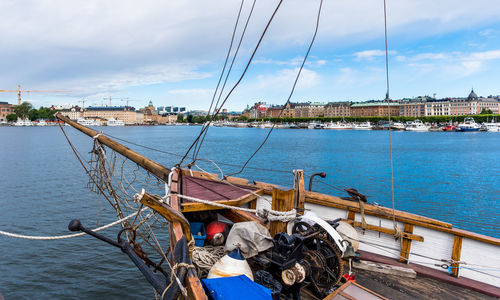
[26, 111]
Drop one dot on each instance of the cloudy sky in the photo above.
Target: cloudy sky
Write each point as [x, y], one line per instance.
[172, 52]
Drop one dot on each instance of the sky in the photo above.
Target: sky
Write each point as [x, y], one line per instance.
[172, 52]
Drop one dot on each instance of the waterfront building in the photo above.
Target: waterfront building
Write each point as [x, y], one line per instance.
[73, 113]
[289, 110]
[375, 109]
[127, 114]
[413, 107]
[338, 109]
[5, 109]
[472, 105]
[310, 110]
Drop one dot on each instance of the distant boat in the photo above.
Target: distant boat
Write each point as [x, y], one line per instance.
[416, 125]
[362, 126]
[398, 126]
[338, 125]
[450, 127]
[491, 127]
[23, 123]
[469, 125]
[115, 122]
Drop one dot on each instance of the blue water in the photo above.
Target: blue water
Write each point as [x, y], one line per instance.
[453, 177]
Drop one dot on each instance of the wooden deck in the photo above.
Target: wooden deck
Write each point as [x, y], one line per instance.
[397, 287]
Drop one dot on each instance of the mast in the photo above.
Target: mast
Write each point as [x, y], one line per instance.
[149, 165]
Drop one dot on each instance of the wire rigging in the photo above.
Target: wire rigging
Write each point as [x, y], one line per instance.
[387, 98]
[291, 92]
[238, 82]
[225, 63]
[227, 76]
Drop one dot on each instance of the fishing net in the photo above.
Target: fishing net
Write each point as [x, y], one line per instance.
[118, 180]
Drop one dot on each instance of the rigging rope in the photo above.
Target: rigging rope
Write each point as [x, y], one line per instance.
[291, 92]
[196, 151]
[397, 233]
[60, 237]
[239, 80]
[269, 214]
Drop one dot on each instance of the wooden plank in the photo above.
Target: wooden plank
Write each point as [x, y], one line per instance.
[242, 216]
[406, 244]
[455, 254]
[282, 201]
[385, 269]
[151, 166]
[383, 212]
[196, 206]
[478, 286]
[351, 215]
[300, 196]
[474, 236]
[200, 174]
[193, 285]
[267, 187]
[387, 231]
[237, 180]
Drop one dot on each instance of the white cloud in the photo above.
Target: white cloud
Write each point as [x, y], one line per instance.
[371, 54]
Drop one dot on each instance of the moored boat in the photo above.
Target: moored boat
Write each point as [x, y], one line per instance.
[468, 125]
[416, 125]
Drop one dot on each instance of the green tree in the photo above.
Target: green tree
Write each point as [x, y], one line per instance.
[486, 111]
[11, 117]
[190, 118]
[22, 110]
[180, 118]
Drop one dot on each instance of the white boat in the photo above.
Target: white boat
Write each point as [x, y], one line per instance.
[398, 126]
[41, 123]
[469, 125]
[491, 127]
[416, 125]
[362, 126]
[23, 123]
[338, 125]
[115, 122]
[266, 125]
[84, 122]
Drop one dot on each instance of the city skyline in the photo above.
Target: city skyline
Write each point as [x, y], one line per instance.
[172, 53]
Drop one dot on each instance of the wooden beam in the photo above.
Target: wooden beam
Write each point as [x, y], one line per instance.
[406, 245]
[384, 212]
[351, 215]
[196, 206]
[200, 174]
[151, 166]
[242, 216]
[300, 196]
[455, 254]
[282, 201]
[405, 235]
[155, 203]
[192, 282]
[237, 180]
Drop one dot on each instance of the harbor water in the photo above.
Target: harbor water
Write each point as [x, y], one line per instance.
[454, 177]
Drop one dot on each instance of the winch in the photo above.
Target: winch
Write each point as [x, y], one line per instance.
[308, 257]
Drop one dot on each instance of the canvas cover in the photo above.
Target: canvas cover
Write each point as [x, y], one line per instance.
[250, 237]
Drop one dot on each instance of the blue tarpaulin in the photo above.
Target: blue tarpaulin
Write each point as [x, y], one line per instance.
[237, 287]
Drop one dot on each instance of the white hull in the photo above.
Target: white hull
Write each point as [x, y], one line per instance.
[438, 243]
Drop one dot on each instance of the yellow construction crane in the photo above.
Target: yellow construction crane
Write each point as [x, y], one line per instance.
[18, 91]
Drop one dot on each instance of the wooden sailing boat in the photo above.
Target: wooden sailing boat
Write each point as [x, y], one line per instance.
[431, 247]
[307, 255]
